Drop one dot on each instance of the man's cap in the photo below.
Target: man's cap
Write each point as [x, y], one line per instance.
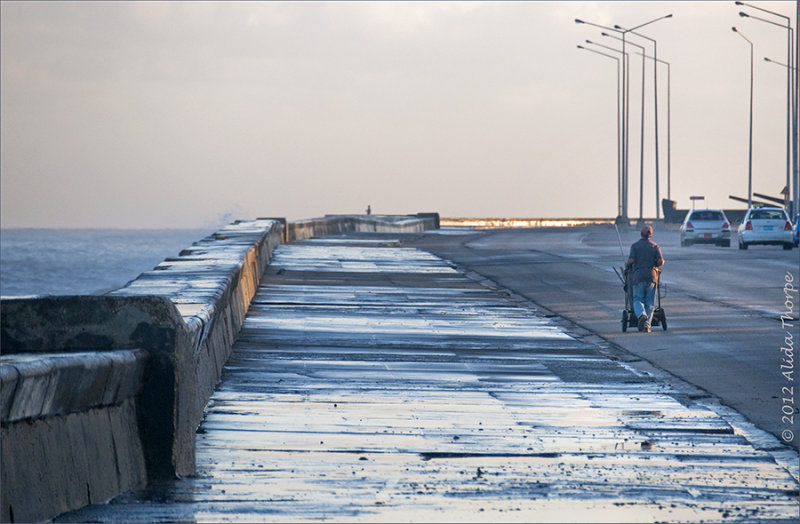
[647, 231]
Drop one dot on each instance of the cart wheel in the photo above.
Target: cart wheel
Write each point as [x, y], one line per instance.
[624, 320]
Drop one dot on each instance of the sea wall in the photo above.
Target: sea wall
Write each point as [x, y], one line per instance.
[69, 435]
[101, 394]
[340, 224]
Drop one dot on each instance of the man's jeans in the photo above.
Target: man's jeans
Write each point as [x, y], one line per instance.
[644, 294]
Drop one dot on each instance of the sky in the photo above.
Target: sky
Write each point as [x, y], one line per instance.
[193, 114]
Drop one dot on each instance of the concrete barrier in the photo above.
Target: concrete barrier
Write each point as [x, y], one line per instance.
[101, 394]
[69, 435]
[340, 224]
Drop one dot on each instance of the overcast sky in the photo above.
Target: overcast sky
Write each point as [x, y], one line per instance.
[182, 114]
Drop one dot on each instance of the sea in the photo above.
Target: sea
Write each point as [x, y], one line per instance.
[83, 261]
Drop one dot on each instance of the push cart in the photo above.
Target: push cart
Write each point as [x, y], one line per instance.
[629, 318]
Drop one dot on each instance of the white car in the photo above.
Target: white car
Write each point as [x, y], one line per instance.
[706, 226]
[766, 225]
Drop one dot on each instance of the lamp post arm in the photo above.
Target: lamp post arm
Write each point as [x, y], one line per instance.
[764, 10]
[579, 21]
[740, 34]
[598, 52]
[767, 59]
[745, 15]
[644, 24]
[607, 47]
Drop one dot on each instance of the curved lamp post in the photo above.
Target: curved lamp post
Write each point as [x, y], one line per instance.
[641, 137]
[669, 127]
[625, 120]
[632, 30]
[626, 61]
[750, 149]
[790, 108]
[619, 136]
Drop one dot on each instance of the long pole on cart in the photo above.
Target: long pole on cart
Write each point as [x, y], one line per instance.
[622, 253]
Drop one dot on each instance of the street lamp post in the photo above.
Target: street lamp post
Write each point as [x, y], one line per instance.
[641, 137]
[750, 149]
[619, 130]
[669, 125]
[793, 199]
[655, 93]
[791, 101]
[625, 122]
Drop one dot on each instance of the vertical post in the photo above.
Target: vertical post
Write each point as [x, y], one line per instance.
[655, 109]
[625, 106]
[641, 151]
[669, 125]
[750, 146]
[619, 130]
[619, 141]
[655, 102]
[796, 115]
[789, 177]
[793, 71]
[669, 134]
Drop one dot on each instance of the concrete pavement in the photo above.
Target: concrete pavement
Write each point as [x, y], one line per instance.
[377, 383]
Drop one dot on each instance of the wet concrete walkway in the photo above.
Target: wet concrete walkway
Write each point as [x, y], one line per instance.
[377, 383]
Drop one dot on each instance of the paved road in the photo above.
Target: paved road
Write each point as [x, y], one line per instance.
[723, 305]
[381, 384]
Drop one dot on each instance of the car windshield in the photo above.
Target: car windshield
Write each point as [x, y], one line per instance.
[706, 215]
[766, 214]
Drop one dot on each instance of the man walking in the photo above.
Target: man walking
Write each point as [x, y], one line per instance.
[645, 259]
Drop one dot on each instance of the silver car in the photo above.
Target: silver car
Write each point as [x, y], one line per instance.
[766, 225]
[706, 226]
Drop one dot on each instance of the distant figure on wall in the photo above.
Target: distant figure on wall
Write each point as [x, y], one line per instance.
[369, 209]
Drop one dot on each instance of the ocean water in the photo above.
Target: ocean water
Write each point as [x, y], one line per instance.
[83, 261]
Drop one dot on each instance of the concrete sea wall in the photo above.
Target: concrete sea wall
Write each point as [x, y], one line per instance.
[69, 434]
[103, 394]
[340, 224]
